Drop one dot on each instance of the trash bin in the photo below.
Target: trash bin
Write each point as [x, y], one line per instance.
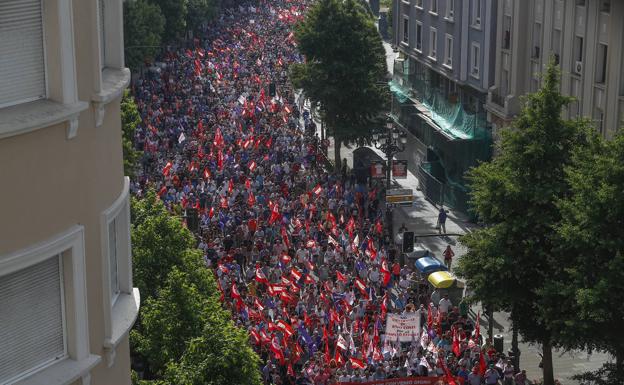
[498, 343]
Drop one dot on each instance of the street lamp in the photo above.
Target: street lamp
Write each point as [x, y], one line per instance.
[390, 142]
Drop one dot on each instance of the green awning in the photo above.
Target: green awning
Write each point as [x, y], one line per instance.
[399, 91]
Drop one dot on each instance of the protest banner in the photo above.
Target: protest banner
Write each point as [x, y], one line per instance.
[404, 381]
[403, 327]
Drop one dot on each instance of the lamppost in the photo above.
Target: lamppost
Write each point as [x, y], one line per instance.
[390, 142]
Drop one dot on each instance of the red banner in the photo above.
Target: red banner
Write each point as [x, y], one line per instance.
[404, 381]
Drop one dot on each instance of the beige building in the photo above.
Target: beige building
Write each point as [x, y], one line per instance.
[66, 297]
[586, 38]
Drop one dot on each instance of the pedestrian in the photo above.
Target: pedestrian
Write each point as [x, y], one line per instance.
[441, 225]
[448, 256]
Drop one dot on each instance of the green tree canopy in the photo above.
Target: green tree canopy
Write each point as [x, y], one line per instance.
[592, 232]
[144, 25]
[176, 14]
[130, 118]
[183, 334]
[345, 69]
[201, 11]
[511, 260]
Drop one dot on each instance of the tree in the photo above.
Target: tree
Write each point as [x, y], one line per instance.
[511, 260]
[182, 327]
[345, 69]
[144, 25]
[159, 241]
[130, 118]
[220, 356]
[592, 232]
[200, 11]
[176, 13]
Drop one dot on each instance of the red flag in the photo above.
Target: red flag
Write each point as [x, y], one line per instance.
[285, 258]
[429, 317]
[285, 237]
[456, 349]
[248, 184]
[357, 363]
[482, 365]
[290, 372]
[218, 138]
[252, 165]
[275, 214]
[477, 331]
[223, 203]
[230, 186]
[256, 337]
[258, 304]
[338, 358]
[450, 380]
[167, 168]
[251, 199]
[341, 343]
[261, 277]
[162, 191]
[317, 190]
[286, 328]
[341, 277]
[220, 159]
[235, 293]
[306, 320]
[296, 274]
[361, 286]
[211, 212]
[379, 227]
[206, 173]
[385, 272]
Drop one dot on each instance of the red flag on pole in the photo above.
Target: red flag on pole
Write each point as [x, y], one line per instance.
[357, 363]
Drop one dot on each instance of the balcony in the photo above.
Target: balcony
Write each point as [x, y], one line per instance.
[497, 98]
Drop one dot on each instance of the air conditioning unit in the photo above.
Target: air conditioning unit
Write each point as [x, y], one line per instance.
[578, 67]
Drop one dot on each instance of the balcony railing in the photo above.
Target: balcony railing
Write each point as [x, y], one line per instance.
[497, 98]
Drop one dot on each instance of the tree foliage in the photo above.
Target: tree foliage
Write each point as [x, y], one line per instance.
[176, 14]
[511, 260]
[182, 327]
[144, 25]
[130, 118]
[201, 11]
[592, 233]
[345, 68]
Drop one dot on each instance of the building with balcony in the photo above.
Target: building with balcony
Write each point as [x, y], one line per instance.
[440, 85]
[67, 301]
[584, 37]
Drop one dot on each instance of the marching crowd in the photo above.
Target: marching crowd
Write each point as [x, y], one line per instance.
[298, 252]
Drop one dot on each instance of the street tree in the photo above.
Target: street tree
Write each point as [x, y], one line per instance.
[512, 258]
[176, 13]
[345, 69]
[130, 118]
[592, 233]
[144, 25]
[201, 11]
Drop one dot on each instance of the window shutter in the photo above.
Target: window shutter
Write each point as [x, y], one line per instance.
[102, 34]
[22, 68]
[31, 318]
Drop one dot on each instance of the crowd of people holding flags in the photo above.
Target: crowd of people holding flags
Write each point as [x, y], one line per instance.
[298, 252]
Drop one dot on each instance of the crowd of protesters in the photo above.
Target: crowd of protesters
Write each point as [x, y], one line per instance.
[298, 252]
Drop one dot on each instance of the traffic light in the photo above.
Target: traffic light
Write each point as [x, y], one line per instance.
[408, 241]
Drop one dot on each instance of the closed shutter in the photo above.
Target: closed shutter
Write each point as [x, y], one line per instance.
[31, 318]
[22, 73]
[102, 34]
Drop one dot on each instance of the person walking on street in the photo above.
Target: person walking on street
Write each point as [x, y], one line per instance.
[441, 220]
[448, 256]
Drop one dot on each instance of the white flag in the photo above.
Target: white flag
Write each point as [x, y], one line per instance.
[181, 138]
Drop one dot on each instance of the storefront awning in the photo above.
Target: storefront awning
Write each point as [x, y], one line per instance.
[399, 91]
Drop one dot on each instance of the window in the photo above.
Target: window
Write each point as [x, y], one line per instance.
[599, 120]
[21, 52]
[605, 6]
[419, 36]
[580, 3]
[32, 310]
[578, 48]
[537, 41]
[434, 7]
[448, 51]
[476, 13]
[507, 32]
[475, 59]
[419, 4]
[433, 40]
[112, 248]
[450, 9]
[43, 323]
[121, 300]
[405, 30]
[556, 44]
[601, 63]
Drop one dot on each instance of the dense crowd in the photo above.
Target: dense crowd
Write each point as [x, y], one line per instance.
[299, 252]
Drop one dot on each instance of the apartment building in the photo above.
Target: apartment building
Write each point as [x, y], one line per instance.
[440, 85]
[67, 301]
[585, 38]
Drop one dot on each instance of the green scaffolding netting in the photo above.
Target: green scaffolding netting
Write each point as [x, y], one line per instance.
[399, 91]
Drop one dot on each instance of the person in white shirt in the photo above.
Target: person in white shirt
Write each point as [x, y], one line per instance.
[445, 304]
